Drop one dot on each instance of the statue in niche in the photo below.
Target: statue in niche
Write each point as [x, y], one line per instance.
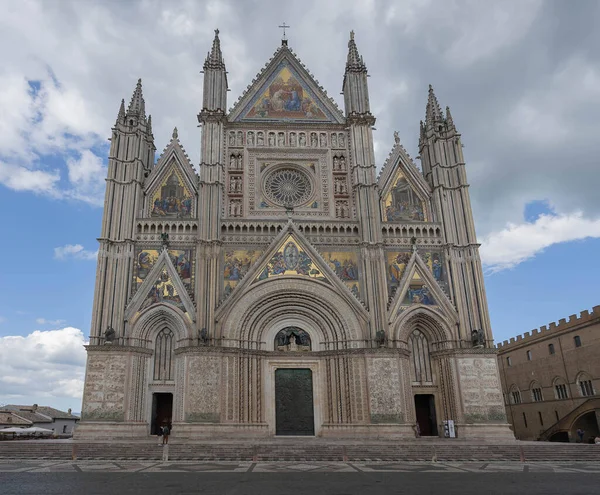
[341, 141]
[235, 208]
[203, 336]
[292, 339]
[110, 335]
[260, 139]
[380, 338]
[281, 139]
[313, 140]
[232, 162]
[232, 138]
[271, 139]
[341, 209]
[339, 186]
[323, 140]
[238, 162]
[293, 139]
[336, 163]
[334, 140]
[239, 139]
[302, 139]
[250, 138]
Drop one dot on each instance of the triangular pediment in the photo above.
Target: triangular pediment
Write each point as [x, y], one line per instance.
[171, 187]
[419, 287]
[161, 286]
[404, 191]
[291, 255]
[285, 91]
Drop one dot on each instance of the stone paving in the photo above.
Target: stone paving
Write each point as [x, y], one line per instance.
[46, 466]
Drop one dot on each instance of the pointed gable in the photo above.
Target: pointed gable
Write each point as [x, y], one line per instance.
[419, 287]
[291, 255]
[404, 190]
[162, 285]
[171, 186]
[285, 91]
[291, 259]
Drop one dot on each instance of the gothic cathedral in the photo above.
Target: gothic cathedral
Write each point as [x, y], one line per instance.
[286, 288]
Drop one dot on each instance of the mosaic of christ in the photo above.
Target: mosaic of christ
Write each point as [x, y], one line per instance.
[286, 98]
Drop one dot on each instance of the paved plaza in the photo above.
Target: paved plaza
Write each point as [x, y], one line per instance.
[46, 466]
[315, 478]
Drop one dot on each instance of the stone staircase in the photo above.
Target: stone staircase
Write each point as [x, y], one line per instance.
[303, 451]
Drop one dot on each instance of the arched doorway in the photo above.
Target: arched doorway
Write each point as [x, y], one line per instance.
[423, 385]
[589, 424]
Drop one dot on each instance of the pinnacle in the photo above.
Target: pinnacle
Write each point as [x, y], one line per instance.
[433, 112]
[355, 61]
[121, 115]
[150, 124]
[449, 120]
[214, 59]
[137, 106]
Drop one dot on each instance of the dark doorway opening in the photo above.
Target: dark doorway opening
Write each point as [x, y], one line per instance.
[425, 409]
[294, 410]
[561, 436]
[162, 411]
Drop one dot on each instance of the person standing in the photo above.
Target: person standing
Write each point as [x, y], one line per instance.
[580, 434]
[165, 434]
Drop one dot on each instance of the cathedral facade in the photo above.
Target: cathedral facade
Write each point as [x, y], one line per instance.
[287, 288]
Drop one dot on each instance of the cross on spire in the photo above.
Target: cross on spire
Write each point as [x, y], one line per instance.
[284, 26]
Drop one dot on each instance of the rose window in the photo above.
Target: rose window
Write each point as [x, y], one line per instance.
[288, 187]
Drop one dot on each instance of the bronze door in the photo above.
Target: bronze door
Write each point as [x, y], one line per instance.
[294, 411]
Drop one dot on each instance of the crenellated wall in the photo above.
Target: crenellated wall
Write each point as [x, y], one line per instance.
[551, 329]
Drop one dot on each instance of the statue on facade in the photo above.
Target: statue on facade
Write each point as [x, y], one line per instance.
[203, 336]
[110, 335]
[380, 338]
[477, 338]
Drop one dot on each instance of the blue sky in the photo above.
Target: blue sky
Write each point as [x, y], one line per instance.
[521, 77]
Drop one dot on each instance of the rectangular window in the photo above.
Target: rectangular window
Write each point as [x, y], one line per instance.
[528, 355]
[508, 361]
[551, 349]
[525, 420]
[561, 391]
[541, 419]
[577, 340]
[586, 388]
[537, 395]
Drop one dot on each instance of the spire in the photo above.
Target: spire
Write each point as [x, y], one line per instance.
[433, 112]
[354, 62]
[449, 120]
[214, 59]
[137, 106]
[121, 115]
[150, 124]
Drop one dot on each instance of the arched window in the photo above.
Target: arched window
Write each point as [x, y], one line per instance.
[536, 392]
[515, 395]
[584, 383]
[560, 389]
[421, 361]
[163, 355]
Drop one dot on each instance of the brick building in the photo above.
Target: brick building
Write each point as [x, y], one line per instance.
[551, 379]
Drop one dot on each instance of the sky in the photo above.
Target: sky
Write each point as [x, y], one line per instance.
[522, 79]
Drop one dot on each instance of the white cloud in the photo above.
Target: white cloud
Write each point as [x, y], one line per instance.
[20, 178]
[45, 367]
[519, 242]
[87, 176]
[76, 251]
[44, 321]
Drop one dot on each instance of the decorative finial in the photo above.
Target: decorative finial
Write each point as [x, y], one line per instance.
[217, 32]
[413, 241]
[352, 34]
[284, 26]
[396, 137]
[175, 135]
